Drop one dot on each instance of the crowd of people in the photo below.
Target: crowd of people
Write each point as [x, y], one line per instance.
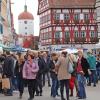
[61, 70]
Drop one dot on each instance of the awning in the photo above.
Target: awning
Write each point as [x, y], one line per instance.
[97, 46]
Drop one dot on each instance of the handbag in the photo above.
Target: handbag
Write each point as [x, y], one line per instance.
[5, 83]
[70, 68]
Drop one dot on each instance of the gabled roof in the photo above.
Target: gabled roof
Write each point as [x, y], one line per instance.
[72, 3]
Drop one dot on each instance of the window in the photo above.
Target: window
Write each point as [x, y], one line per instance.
[1, 29]
[49, 35]
[41, 20]
[67, 35]
[25, 27]
[25, 33]
[45, 2]
[48, 17]
[86, 16]
[76, 34]
[46, 36]
[66, 17]
[76, 17]
[83, 34]
[57, 16]
[25, 22]
[57, 35]
[92, 34]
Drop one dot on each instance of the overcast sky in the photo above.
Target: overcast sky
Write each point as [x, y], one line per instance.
[18, 7]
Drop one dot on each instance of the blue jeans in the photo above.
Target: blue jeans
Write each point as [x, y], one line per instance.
[10, 91]
[14, 83]
[54, 87]
[81, 86]
[20, 84]
[92, 77]
[98, 73]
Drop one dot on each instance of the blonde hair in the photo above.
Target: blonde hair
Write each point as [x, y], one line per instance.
[73, 57]
[21, 59]
[80, 51]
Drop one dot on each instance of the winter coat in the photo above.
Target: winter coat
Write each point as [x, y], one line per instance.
[92, 62]
[98, 64]
[46, 64]
[52, 67]
[19, 70]
[30, 71]
[85, 66]
[41, 67]
[8, 67]
[62, 67]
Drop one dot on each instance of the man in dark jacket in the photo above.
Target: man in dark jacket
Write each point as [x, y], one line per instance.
[8, 71]
[46, 61]
[39, 76]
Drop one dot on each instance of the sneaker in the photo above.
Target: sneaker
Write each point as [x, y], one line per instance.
[30, 98]
[58, 95]
[20, 96]
[49, 85]
[37, 95]
[63, 99]
[88, 84]
[40, 94]
[94, 85]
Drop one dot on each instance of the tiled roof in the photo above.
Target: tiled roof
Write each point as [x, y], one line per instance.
[25, 15]
[72, 3]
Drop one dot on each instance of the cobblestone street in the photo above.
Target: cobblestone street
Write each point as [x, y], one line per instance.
[93, 93]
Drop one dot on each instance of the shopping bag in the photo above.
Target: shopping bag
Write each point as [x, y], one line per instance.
[5, 83]
[70, 68]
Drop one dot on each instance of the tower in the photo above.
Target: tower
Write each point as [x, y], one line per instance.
[26, 22]
[26, 28]
[98, 16]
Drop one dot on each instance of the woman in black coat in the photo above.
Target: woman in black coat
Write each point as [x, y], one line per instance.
[82, 72]
[19, 75]
[85, 67]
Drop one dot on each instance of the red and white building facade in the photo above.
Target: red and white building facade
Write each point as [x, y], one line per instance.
[67, 23]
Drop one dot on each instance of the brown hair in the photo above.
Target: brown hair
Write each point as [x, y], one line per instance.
[31, 56]
[53, 54]
[65, 54]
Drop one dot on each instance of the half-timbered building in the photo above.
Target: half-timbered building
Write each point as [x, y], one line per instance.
[66, 23]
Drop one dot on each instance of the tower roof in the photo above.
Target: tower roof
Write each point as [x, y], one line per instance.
[25, 14]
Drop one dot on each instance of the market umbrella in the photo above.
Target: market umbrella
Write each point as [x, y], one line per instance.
[70, 50]
[18, 49]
